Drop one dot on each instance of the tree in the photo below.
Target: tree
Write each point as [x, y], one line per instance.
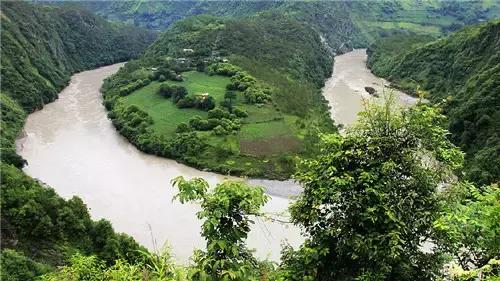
[226, 214]
[370, 198]
[230, 96]
[207, 103]
[468, 227]
[168, 90]
[183, 127]
[16, 266]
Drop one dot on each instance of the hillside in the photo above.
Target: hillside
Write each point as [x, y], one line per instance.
[372, 19]
[263, 74]
[464, 71]
[41, 47]
[159, 15]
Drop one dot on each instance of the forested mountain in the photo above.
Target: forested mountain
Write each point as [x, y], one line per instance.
[462, 72]
[276, 66]
[41, 46]
[372, 19]
[159, 15]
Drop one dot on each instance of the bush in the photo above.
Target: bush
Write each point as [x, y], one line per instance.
[182, 128]
[241, 81]
[218, 113]
[186, 102]
[129, 88]
[240, 113]
[220, 131]
[225, 69]
[207, 103]
[171, 90]
[257, 95]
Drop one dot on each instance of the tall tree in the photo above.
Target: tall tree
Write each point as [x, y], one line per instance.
[370, 198]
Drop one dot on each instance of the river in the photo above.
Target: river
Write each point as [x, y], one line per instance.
[345, 90]
[73, 147]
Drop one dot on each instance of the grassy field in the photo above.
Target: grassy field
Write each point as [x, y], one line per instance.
[199, 83]
[265, 131]
[166, 116]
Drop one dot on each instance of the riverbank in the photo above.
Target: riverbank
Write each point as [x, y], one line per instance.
[72, 146]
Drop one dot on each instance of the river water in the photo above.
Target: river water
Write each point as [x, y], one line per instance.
[345, 90]
[73, 147]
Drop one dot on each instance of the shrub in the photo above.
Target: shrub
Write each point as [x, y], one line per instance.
[225, 69]
[182, 128]
[220, 131]
[257, 95]
[186, 102]
[129, 88]
[171, 90]
[207, 103]
[217, 113]
[240, 113]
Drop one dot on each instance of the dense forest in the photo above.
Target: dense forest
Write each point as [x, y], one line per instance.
[41, 47]
[462, 73]
[240, 94]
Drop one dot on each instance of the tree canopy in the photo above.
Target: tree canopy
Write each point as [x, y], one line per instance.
[370, 198]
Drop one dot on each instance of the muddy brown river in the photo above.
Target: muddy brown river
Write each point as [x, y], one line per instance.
[73, 147]
[345, 90]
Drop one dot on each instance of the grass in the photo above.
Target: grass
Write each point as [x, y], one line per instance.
[418, 28]
[166, 116]
[199, 83]
[265, 132]
[257, 114]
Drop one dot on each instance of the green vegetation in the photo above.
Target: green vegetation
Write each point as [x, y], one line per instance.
[243, 113]
[370, 195]
[45, 229]
[370, 200]
[227, 213]
[461, 72]
[468, 226]
[343, 25]
[41, 47]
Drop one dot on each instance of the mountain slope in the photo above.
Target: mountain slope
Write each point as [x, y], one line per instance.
[372, 19]
[41, 47]
[463, 69]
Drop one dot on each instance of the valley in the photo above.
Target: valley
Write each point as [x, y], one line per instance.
[243, 141]
[84, 156]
